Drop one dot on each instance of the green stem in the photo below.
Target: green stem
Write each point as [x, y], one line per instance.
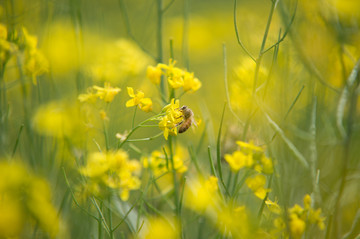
[17, 140]
[258, 61]
[133, 119]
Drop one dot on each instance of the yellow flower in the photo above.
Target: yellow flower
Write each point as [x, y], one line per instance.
[173, 116]
[201, 194]
[257, 184]
[107, 93]
[145, 104]
[154, 74]
[191, 83]
[113, 169]
[35, 63]
[297, 226]
[249, 146]
[238, 160]
[273, 206]
[171, 119]
[3, 32]
[24, 198]
[157, 228]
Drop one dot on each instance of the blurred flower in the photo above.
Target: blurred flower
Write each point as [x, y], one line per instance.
[138, 99]
[35, 63]
[257, 185]
[191, 83]
[250, 156]
[24, 198]
[201, 195]
[106, 93]
[116, 61]
[242, 87]
[173, 116]
[114, 170]
[56, 119]
[6, 47]
[273, 206]
[157, 228]
[238, 160]
[154, 74]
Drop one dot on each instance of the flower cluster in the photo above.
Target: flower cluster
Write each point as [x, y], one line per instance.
[203, 196]
[106, 93]
[171, 119]
[299, 217]
[35, 63]
[176, 77]
[24, 198]
[139, 100]
[114, 170]
[159, 166]
[252, 157]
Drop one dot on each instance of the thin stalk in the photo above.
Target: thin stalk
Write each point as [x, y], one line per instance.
[74, 199]
[237, 34]
[159, 40]
[258, 60]
[133, 119]
[218, 151]
[176, 184]
[212, 167]
[17, 140]
[264, 200]
[101, 215]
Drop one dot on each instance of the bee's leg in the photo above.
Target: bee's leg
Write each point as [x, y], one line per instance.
[179, 123]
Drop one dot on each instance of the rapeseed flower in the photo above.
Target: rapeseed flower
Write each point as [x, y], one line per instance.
[35, 63]
[156, 228]
[257, 185]
[202, 195]
[139, 100]
[114, 170]
[106, 93]
[154, 74]
[172, 118]
[57, 119]
[24, 198]
[175, 76]
[249, 156]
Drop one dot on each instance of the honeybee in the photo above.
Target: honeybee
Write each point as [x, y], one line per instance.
[188, 119]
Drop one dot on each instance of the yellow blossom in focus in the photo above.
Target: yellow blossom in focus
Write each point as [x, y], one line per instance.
[115, 170]
[257, 185]
[157, 228]
[154, 74]
[138, 99]
[173, 116]
[175, 76]
[24, 198]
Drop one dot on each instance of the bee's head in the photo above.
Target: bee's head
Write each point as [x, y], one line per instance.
[183, 108]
